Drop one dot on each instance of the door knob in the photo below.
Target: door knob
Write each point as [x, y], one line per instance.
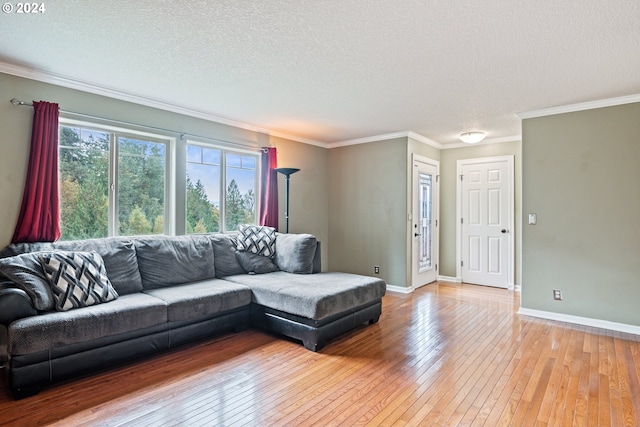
[504, 230]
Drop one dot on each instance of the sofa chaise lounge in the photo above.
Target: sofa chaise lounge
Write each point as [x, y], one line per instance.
[145, 294]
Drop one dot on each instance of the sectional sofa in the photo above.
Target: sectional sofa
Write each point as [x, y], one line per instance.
[72, 307]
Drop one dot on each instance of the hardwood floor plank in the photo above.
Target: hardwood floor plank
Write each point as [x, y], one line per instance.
[445, 355]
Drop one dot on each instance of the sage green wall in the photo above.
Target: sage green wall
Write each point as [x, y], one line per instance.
[309, 191]
[580, 176]
[367, 209]
[448, 182]
[309, 204]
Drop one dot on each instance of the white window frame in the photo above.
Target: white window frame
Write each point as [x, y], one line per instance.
[226, 149]
[115, 133]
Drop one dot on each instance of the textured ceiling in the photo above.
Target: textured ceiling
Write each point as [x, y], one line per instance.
[335, 70]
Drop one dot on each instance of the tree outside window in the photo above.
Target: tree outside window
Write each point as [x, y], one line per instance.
[88, 207]
[221, 188]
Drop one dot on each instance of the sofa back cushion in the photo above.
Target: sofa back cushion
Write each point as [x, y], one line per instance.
[295, 253]
[168, 261]
[119, 256]
[224, 249]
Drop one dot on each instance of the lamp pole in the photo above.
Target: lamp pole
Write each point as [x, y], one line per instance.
[287, 172]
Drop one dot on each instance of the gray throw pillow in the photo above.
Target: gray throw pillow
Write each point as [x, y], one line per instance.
[295, 252]
[26, 272]
[256, 264]
[77, 279]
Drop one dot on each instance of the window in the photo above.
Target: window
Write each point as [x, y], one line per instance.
[112, 182]
[221, 188]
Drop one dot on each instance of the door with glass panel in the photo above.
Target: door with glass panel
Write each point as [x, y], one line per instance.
[424, 221]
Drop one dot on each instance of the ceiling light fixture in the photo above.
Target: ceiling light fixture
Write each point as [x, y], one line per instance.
[472, 137]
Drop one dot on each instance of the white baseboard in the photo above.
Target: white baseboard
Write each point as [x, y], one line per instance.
[586, 321]
[450, 279]
[399, 289]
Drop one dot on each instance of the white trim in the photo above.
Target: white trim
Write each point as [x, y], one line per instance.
[420, 138]
[45, 77]
[517, 288]
[399, 289]
[501, 139]
[590, 105]
[424, 140]
[579, 320]
[384, 137]
[510, 159]
[449, 279]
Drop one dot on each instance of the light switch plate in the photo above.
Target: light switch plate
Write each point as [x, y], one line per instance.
[533, 219]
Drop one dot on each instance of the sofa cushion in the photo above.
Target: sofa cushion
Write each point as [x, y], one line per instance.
[224, 250]
[168, 261]
[60, 328]
[26, 272]
[202, 299]
[22, 248]
[257, 239]
[77, 279]
[295, 252]
[256, 264]
[314, 296]
[119, 256]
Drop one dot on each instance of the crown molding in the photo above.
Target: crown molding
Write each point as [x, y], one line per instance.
[387, 136]
[58, 80]
[486, 141]
[610, 102]
[425, 140]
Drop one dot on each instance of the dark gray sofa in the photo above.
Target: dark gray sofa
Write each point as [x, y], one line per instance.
[171, 291]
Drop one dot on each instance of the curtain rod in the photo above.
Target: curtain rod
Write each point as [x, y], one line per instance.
[17, 102]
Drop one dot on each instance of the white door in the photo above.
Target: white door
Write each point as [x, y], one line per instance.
[424, 221]
[486, 221]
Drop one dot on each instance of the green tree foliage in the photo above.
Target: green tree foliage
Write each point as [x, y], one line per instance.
[141, 171]
[138, 223]
[84, 188]
[234, 206]
[201, 213]
[84, 172]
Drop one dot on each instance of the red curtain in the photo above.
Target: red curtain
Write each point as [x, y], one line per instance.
[39, 219]
[269, 188]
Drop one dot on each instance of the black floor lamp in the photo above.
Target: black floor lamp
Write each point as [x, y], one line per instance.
[287, 172]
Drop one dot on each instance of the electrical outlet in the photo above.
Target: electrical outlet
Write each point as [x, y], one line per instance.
[376, 269]
[557, 294]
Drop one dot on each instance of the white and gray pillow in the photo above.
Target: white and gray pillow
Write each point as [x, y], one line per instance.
[259, 240]
[77, 279]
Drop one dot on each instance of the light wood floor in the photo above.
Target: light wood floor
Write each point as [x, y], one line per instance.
[445, 355]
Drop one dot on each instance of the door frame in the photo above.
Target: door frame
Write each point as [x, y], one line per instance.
[436, 216]
[510, 160]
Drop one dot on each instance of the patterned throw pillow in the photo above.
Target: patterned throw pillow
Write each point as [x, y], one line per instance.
[77, 279]
[257, 239]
